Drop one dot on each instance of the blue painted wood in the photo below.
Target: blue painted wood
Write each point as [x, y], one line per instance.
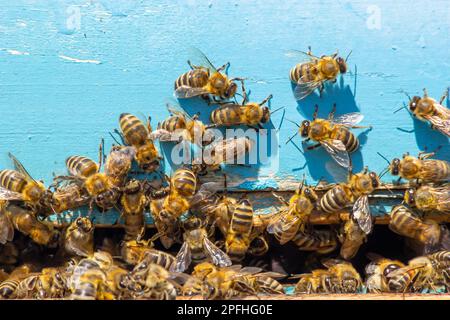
[69, 68]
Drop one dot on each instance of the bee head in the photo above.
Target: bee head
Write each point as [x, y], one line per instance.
[304, 128]
[413, 103]
[410, 197]
[192, 223]
[231, 89]
[266, 115]
[107, 199]
[132, 187]
[389, 269]
[375, 180]
[342, 64]
[395, 167]
[84, 224]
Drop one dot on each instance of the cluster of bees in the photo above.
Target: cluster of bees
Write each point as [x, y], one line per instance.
[217, 231]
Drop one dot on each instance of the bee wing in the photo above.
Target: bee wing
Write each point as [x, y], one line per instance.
[217, 256]
[276, 220]
[337, 151]
[232, 146]
[19, 167]
[250, 270]
[174, 108]
[332, 262]
[442, 125]
[292, 53]
[198, 58]
[183, 259]
[163, 135]
[272, 274]
[6, 228]
[206, 190]
[361, 213]
[304, 89]
[6, 194]
[349, 119]
[185, 92]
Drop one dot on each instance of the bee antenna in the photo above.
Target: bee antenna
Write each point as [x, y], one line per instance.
[406, 94]
[384, 158]
[280, 108]
[348, 55]
[404, 107]
[298, 126]
[290, 139]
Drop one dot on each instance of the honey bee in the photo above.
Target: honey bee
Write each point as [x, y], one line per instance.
[246, 113]
[79, 237]
[138, 136]
[133, 202]
[181, 127]
[421, 168]
[52, 283]
[223, 152]
[156, 285]
[352, 237]
[205, 80]
[332, 134]
[378, 271]
[428, 198]
[8, 288]
[418, 275]
[141, 253]
[238, 238]
[115, 286]
[184, 182]
[313, 73]
[407, 223]
[429, 110]
[197, 247]
[315, 282]
[68, 197]
[98, 185]
[344, 277]
[19, 185]
[118, 164]
[320, 241]
[25, 221]
[294, 216]
[355, 192]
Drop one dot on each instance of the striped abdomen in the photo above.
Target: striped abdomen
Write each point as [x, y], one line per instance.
[335, 199]
[346, 136]
[81, 166]
[442, 257]
[303, 72]
[184, 181]
[227, 115]
[173, 123]
[195, 78]
[405, 222]
[8, 288]
[434, 170]
[322, 241]
[133, 225]
[401, 281]
[258, 246]
[279, 228]
[134, 131]
[160, 258]
[268, 285]
[13, 180]
[242, 219]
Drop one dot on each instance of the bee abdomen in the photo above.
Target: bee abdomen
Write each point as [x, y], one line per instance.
[85, 291]
[173, 123]
[302, 73]
[185, 182]
[227, 115]
[194, 78]
[8, 288]
[269, 285]
[334, 200]
[12, 180]
[347, 137]
[81, 166]
[242, 220]
[134, 131]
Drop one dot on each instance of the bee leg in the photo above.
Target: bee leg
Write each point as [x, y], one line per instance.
[149, 126]
[316, 111]
[120, 136]
[361, 127]
[266, 100]
[193, 67]
[321, 87]
[333, 111]
[398, 181]
[444, 96]
[224, 67]
[313, 146]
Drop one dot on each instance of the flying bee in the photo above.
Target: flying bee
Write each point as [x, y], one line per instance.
[351, 237]
[182, 127]
[294, 216]
[246, 113]
[312, 74]
[238, 239]
[118, 164]
[429, 110]
[407, 223]
[138, 136]
[378, 271]
[79, 237]
[98, 185]
[228, 151]
[197, 247]
[25, 221]
[332, 134]
[428, 198]
[421, 168]
[205, 80]
[344, 277]
[355, 192]
[133, 203]
[19, 185]
[320, 241]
